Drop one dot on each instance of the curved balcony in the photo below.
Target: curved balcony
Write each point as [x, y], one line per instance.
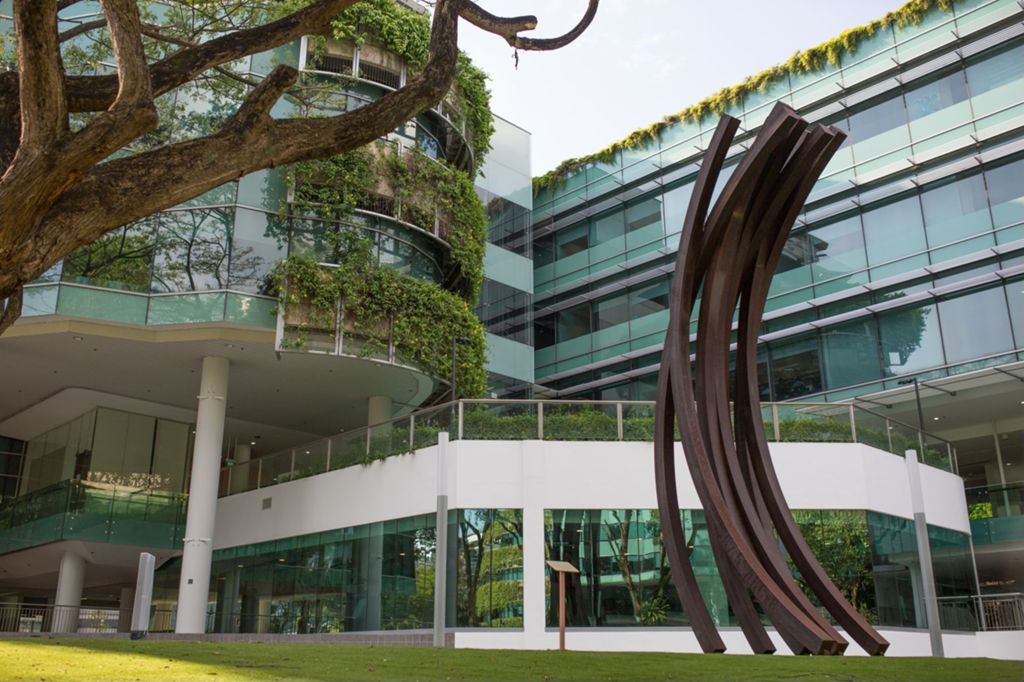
[372, 65]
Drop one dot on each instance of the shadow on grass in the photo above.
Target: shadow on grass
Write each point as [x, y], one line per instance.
[76, 659]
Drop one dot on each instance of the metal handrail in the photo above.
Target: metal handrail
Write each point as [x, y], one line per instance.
[406, 434]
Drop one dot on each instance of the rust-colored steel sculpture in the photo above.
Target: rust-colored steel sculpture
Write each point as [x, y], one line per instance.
[728, 253]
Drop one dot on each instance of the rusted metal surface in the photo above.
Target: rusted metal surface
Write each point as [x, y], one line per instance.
[728, 253]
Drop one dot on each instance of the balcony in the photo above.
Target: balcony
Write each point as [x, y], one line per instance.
[997, 513]
[92, 512]
[568, 420]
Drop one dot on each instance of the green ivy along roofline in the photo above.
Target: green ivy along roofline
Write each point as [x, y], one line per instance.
[815, 58]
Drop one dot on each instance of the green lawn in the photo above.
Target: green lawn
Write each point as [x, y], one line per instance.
[55, 659]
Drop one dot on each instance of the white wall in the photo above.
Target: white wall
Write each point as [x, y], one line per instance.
[538, 475]
[903, 642]
[570, 475]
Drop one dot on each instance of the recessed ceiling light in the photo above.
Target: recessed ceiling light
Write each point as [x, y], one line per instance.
[252, 442]
[229, 345]
[77, 338]
[935, 419]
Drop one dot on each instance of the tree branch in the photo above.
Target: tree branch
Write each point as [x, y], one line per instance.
[95, 93]
[44, 115]
[80, 29]
[126, 35]
[122, 190]
[508, 28]
[12, 309]
[254, 114]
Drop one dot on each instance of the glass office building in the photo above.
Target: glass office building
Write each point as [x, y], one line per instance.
[906, 263]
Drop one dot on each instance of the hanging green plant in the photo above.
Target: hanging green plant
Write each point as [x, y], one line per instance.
[422, 317]
[814, 59]
[337, 184]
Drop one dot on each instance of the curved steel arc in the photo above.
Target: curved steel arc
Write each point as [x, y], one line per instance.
[727, 253]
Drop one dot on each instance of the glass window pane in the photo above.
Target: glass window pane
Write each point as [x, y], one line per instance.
[649, 299]
[960, 318]
[837, 248]
[1006, 194]
[955, 210]
[192, 250]
[851, 353]
[796, 367]
[894, 230]
[574, 322]
[911, 340]
[258, 242]
[121, 259]
[611, 311]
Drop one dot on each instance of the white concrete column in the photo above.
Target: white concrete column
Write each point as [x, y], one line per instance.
[69, 593]
[378, 409]
[242, 454]
[194, 588]
[534, 569]
[240, 473]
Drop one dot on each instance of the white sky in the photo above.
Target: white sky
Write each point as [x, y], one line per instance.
[641, 60]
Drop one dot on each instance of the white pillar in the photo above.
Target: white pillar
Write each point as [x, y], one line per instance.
[534, 570]
[194, 588]
[240, 474]
[69, 593]
[378, 409]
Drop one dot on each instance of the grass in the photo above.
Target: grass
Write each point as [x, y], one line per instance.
[55, 659]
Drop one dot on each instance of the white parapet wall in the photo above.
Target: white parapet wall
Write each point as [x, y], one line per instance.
[537, 475]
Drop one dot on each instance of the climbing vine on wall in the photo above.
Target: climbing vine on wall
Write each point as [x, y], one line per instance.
[816, 58]
[422, 187]
[424, 318]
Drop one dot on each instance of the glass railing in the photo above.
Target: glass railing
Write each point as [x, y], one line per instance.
[997, 513]
[92, 512]
[569, 420]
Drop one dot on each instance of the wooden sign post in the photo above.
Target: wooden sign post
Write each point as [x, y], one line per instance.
[561, 568]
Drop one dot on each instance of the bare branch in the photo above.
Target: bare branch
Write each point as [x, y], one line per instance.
[156, 33]
[508, 28]
[80, 29]
[254, 113]
[44, 115]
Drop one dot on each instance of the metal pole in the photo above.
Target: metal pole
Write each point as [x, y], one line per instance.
[924, 553]
[455, 345]
[441, 544]
[561, 610]
[920, 412]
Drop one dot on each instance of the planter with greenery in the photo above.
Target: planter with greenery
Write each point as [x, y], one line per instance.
[421, 317]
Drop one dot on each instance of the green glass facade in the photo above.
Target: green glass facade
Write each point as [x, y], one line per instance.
[89, 512]
[376, 576]
[913, 232]
[625, 577]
